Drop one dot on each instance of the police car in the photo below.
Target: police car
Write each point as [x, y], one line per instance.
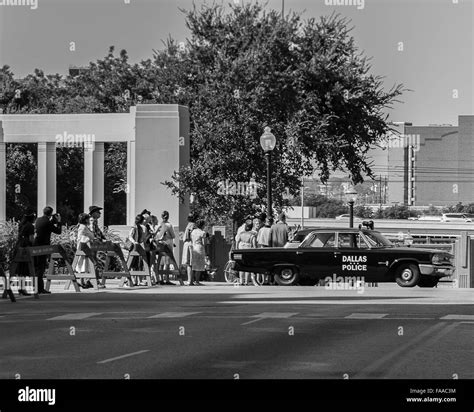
[361, 253]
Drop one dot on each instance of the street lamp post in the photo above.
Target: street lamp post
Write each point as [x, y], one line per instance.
[302, 202]
[268, 142]
[351, 197]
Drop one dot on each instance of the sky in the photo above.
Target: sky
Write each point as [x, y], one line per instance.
[425, 44]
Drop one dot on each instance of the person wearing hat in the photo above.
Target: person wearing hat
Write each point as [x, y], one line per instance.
[94, 212]
[145, 213]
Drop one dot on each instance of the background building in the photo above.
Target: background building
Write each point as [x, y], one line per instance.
[436, 165]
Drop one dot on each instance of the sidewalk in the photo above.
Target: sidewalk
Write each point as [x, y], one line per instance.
[385, 293]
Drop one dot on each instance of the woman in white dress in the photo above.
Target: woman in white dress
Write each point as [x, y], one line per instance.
[187, 249]
[84, 238]
[198, 255]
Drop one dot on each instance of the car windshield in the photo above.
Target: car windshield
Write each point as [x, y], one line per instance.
[375, 239]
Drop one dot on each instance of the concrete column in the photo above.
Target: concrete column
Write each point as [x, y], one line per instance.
[42, 178]
[3, 178]
[51, 174]
[130, 183]
[88, 178]
[46, 176]
[98, 190]
[94, 177]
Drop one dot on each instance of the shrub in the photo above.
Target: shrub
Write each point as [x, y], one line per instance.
[8, 238]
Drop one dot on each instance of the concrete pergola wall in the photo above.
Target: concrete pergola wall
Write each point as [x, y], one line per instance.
[157, 138]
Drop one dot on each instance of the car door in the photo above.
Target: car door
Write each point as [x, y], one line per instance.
[379, 259]
[315, 256]
[352, 257]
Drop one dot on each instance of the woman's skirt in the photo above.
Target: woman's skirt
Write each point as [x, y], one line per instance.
[198, 261]
[187, 253]
[84, 263]
[167, 260]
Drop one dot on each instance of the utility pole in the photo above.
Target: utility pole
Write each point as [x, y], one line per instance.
[302, 202]
[380, 191]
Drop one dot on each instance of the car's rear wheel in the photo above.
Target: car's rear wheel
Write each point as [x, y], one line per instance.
[428, 282]
[286, 276]
[408, 275]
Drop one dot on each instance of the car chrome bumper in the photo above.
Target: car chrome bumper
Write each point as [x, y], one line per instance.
[436, 270]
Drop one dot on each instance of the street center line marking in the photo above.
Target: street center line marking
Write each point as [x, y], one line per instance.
[172, 315]
[124, 356]
[458, 317]
[269, 315]
[74, 316]
[252, 321]
[366, 316]
[274, 315]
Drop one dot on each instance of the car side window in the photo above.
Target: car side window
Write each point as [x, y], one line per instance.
[361, 243]
[323, 240]
[347, 240]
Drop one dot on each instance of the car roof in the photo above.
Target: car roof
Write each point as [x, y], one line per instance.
[335, 229]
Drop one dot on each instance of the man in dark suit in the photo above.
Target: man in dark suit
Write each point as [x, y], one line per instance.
[44, 226]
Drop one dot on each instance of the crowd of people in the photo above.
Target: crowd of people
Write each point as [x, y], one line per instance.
[37, 232]
[260, 232]
[146, 236]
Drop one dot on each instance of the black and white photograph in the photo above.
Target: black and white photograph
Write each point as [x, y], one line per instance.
[236, 200]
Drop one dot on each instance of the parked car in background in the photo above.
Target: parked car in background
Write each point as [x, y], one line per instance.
[456, 217]
[429, 218]
[346, 217]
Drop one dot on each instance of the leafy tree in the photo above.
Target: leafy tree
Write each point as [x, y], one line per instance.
[21, 179]
[241, 69]
[248, 68]
[363, 212]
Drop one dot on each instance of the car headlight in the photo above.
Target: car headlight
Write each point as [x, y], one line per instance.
[438, 259]
[238, 256]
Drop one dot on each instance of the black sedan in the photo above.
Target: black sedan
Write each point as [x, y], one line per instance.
[347, 253]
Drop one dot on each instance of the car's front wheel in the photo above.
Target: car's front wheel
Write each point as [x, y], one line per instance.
[428, 282]
[408, 275]
[286, 276]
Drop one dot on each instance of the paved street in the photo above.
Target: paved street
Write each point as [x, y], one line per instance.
[223, 331]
